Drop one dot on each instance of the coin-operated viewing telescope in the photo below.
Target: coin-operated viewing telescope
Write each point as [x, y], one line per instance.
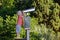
[29, 10]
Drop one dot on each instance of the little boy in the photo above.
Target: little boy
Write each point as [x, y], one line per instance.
[19, 23]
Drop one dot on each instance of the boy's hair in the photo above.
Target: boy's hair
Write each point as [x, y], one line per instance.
[19, 12]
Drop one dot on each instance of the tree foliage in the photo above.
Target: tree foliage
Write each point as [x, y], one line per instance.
[48, 13]
[44, 21]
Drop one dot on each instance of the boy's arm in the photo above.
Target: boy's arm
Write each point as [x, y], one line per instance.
[23, 21]
[23, 18]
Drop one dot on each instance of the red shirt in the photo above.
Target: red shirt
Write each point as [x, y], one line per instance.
[20, 20]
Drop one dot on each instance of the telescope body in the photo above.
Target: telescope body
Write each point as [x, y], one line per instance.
[29, 10]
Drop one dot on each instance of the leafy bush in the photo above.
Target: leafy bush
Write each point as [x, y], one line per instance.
[37, 32]
[44, 27]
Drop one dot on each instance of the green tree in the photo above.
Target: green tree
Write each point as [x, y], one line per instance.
[48, 13]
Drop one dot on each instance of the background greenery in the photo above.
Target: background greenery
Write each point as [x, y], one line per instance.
[45, 21]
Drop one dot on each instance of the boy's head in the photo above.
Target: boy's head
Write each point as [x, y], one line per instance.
[19, 12]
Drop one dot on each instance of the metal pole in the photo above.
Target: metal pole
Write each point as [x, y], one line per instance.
[28, 32]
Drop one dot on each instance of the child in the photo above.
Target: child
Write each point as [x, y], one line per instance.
[19, 23]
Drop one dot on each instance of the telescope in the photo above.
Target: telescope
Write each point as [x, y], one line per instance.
[29, 10]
